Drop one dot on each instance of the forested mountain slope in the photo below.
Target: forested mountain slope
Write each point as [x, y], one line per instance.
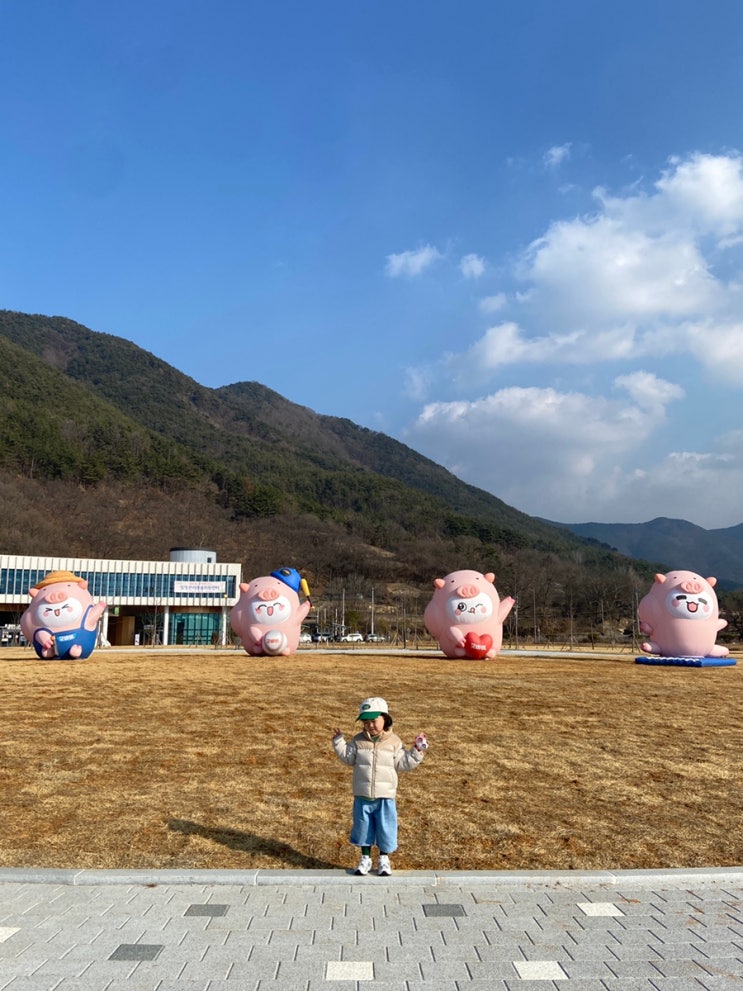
[143, 457]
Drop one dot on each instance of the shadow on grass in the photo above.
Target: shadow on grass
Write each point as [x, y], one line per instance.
[249, 843]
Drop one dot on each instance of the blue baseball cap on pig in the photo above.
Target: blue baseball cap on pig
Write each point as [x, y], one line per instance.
[289, 576]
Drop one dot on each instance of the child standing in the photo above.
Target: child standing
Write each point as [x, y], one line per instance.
[376, 754]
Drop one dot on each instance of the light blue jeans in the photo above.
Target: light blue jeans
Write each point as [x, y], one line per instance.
[375, 823]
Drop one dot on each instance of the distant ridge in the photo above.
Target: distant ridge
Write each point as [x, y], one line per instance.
[674, 544]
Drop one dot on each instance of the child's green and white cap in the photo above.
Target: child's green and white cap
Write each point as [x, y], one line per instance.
[373, 707]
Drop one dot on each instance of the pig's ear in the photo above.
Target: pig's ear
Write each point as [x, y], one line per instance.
[712, 581]
[659, 579]
[489, 577]
[33, 592]
[438, 583]
[243, 586]
[84, 583]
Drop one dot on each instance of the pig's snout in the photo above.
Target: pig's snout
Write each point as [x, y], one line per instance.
[268, 594]
[467, 591]
[693, 587]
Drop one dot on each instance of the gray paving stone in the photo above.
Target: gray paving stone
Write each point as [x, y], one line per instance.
[629, 984]
[299, 985]
[281, 932]
[102, 972]
[48, 984]
[582, 984]
[171, 984]
[205, 970]
[691, 969]
[438, 909]
[208, 910]
[136, 951]
[595, 969]
[295, 970]
[280, 938]
[726, 967]
[501, 969]
[719, 949]
[633, 969]
[495, 984]
[592, 951]
[722, 983]
[376, 985]
[519, 984]
[253, 971]
[228, 985]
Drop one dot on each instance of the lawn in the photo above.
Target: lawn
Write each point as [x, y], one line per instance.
[156, 759]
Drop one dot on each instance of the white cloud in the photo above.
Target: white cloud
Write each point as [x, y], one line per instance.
[417, 383]
[493, 304]
[412, 263]
[706, 190]
[649, 287]
[472, 266]
[600, 270]
[703, 487]
[571, 457]
[556, 155]
[527, 443]
[637, 279]
[506, 344]
[648, 391]
[718, 347]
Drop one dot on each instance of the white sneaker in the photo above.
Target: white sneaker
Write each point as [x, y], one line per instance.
[365, 865]
[384, 869]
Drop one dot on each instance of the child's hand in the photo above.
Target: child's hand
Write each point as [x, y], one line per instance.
[337, 732]
[421, 742]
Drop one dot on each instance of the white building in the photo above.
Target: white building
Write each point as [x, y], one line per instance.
[185, 600]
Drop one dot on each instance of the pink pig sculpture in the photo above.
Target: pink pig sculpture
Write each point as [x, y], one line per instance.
[466, 615]
[62, 619]
[268, 615]
[680, 616]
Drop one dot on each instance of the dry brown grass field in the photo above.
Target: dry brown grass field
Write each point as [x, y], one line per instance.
[212, 759]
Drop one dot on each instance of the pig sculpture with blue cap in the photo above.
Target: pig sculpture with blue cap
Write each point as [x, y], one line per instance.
[268, 616]
[680, 617]
[466, 615]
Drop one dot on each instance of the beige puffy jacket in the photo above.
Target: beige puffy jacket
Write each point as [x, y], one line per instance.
[376, 763]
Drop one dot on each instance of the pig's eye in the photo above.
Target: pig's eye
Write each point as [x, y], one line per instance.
[461, 607]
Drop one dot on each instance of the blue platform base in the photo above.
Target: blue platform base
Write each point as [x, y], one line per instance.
[689, 662]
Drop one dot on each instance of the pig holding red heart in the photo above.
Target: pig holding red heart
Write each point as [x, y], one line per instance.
[466, 615]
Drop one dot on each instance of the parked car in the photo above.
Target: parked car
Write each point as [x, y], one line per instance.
[322, 637]
[374, 638]
[351, 638]
[305, 638]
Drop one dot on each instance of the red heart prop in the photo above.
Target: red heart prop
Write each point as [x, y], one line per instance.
[476, 645]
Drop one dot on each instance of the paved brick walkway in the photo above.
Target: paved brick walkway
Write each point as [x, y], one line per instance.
[415, 931]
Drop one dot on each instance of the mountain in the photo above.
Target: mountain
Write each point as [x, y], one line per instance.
[675, 544]
[108, 451]
[296, 459]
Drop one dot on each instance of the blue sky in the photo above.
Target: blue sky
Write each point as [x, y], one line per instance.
[509, 235]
